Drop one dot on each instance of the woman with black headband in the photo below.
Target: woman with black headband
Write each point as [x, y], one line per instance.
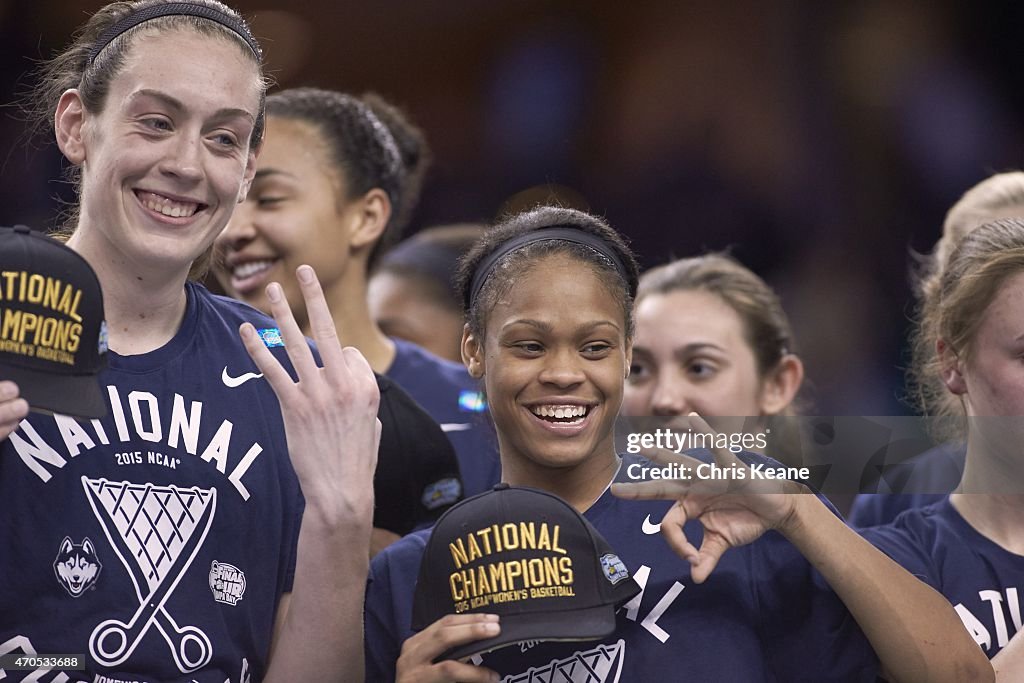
[758, 580]
[167, 541]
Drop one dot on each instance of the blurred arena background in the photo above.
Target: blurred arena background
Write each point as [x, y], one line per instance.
[821, 141]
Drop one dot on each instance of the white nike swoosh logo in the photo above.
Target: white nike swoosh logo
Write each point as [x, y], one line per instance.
[233, 382]
[455, 426]
[651, 529]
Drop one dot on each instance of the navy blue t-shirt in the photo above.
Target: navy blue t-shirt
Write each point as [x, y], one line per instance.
[979, 578]
[764, 614]
[182, 498]
[453, 399]
[935, 474]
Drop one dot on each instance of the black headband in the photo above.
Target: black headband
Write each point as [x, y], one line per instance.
[563, 234]
[189, 9]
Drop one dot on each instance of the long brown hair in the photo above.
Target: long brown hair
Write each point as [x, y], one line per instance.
[765, 325]
[976, 269]
[72, 68]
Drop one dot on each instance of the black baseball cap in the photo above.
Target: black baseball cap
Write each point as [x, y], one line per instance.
[53, 337]
[417, 476]
[527, 556]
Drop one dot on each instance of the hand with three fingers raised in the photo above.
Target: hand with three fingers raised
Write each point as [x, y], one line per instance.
[331, 426]
[330, 413]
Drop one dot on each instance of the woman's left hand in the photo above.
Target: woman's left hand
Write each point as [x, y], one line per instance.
[734, 510]
[330, 414]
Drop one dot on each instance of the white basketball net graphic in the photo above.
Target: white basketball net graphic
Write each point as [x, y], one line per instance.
[156, 532]
[602, 664]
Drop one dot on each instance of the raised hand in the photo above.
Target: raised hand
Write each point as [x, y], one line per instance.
[415, 664]
[330, 413]
[914, 631]
[733, 510]
[330, 420]
[13, 408]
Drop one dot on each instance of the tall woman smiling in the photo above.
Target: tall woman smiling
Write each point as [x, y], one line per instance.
[158, 107]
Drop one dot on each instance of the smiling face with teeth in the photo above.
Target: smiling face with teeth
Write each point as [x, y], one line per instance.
[297, 212]
[553, 358]
[164, 161]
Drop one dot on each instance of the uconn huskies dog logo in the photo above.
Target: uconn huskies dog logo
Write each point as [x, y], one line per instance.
[77, 566]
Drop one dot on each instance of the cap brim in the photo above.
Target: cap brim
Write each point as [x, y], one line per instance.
[74, 395]
[592, 623]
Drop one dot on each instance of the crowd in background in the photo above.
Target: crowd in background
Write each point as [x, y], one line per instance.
[821, 143]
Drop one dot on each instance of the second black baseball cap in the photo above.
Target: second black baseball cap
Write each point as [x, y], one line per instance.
[527, 556]
[53, 338]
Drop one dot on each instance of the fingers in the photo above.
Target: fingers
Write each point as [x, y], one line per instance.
[703, 561]
[419, 651]
[672, 529]
[460, 672]
[723, 456]
[279, 379]
[339, 362]
[294, 341]
[658, 489]
[358, 370]
[711, 551]
[321, 323]
[661, 456]
[449, 632]
[13, 409]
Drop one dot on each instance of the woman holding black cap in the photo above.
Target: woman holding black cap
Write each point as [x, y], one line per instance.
[170, 540]
[799, 596]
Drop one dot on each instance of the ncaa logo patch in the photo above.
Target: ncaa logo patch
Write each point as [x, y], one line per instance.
[227, 582]
[614, 569]
[441, 493]
[271, 337]
[103, 343]
[472, 401]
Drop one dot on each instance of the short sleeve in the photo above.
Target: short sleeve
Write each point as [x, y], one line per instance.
[905, 549]
[807, 631]
[875, 509]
